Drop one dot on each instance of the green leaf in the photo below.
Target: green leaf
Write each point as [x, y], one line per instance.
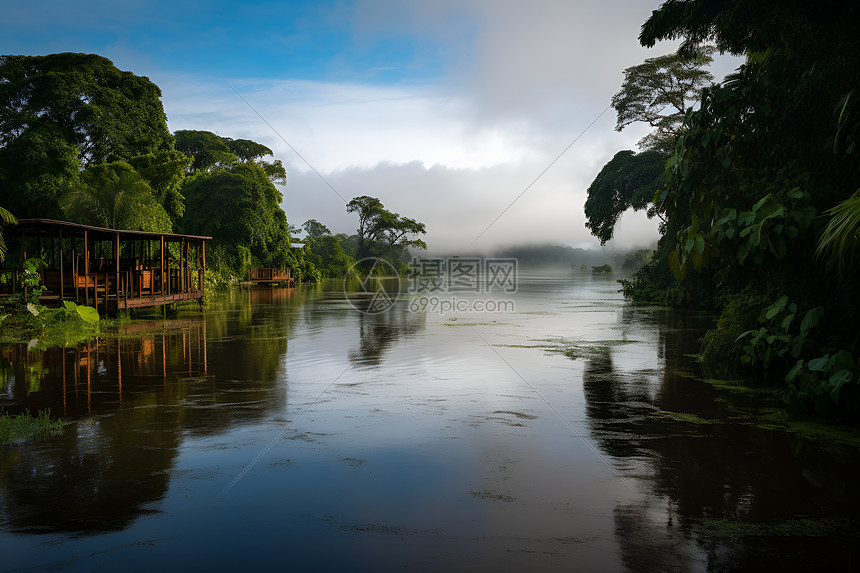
[819, 364]
[745, 334]
[804, 215]
[841, 377]
[777, 247]
[795, 193]
[843, 360]
[792, 374]
[88, 314]
[776, 307]
[811, 319]
[769, 211]
[837, 381]
[791, 232]
[761, 202]
[700, 244]
[71, 306]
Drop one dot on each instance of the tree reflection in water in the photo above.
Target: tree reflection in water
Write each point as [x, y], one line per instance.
[720, 496]
[134, 394]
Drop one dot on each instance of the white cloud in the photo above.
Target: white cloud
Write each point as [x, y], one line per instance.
[521, 81]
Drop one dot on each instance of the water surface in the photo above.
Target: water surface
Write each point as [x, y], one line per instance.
[282, 428]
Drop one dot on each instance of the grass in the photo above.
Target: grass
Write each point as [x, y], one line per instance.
[18, 426]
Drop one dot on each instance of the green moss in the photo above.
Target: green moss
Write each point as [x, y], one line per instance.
[687, 418]
[796, 527]
[737, 386]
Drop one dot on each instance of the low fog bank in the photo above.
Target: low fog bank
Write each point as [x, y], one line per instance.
[549, 258]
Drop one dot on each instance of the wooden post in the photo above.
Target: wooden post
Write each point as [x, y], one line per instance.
[75, 269]
[162, 265]
[61, 270]
[87, 272]
[202, 264]
[23, 256]
[183, 261]
[116, 271]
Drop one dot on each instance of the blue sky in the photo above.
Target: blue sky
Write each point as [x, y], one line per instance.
[446, 111]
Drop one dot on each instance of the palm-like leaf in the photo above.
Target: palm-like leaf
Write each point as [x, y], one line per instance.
[127, 203]
[9, 219]
[840, 241]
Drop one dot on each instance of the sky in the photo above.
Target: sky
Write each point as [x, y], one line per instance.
[486, 120]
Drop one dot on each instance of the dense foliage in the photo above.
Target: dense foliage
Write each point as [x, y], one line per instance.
[63, 111]
[761, 182]
[83, 141]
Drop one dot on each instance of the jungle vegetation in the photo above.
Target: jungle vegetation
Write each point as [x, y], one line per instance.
[758, 194]
[83, 141]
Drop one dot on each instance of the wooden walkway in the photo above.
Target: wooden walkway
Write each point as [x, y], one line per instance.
[109, 269]
[258, 275]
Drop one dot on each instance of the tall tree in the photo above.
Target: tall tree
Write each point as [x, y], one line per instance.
[63, 111]
[104, 112]
[629, 180]
[660, 91]
[767, 158]
[315, 229]
[381, 232]
[211, 152]
[241, 209]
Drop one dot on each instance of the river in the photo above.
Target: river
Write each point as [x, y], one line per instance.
[282, 428]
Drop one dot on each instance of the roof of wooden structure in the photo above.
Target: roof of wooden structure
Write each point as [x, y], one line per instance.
[50, 228]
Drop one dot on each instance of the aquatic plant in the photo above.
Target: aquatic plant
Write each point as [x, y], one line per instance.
[18, 426]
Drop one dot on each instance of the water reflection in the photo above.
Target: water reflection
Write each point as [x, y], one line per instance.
[380, 331]
[135, 394]
[97, 376]
[431, 449]
[721, 495]
[139, 392]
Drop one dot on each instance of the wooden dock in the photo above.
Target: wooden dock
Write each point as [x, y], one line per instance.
[109, 269]
[263, 276]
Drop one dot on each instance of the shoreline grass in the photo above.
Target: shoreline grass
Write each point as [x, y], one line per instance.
[15, 427]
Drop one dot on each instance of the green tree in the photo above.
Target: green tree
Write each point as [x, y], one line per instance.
[327, 255]
[104, 112]
[382, 233]
[63, 111]
[164, 172]
[240, 208]
[767, 158]
[212, 152]
[629, 180]
[315, 229]
[660, 92]
[115, 196]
